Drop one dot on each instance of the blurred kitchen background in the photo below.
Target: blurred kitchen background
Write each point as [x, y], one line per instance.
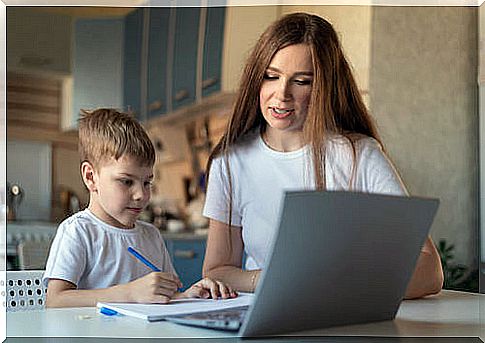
[177, 69]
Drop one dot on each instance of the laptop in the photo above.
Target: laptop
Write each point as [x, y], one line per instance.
[338, 258]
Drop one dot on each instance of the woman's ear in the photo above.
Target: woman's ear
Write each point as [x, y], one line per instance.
[88, 175]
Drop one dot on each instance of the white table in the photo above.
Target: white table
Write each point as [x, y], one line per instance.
[446, 314]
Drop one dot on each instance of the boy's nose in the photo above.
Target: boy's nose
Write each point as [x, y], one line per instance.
[138, 193]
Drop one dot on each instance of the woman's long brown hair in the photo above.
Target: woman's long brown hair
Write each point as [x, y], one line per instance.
[336, 106]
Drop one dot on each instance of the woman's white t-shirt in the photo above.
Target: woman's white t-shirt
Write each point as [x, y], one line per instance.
[261, 175]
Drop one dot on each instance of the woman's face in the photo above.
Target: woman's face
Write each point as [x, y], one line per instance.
[286, 89]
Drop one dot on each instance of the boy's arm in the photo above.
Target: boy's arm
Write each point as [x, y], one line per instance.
[155, 287]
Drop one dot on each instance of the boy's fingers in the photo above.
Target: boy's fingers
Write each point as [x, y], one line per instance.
[170, 276]
[164, 299]
[167, 291]
[168, 284]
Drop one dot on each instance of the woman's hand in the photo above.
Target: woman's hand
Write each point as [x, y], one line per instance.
[428, 277]
[208, 288]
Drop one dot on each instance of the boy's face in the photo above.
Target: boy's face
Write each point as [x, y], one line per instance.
[120, 189]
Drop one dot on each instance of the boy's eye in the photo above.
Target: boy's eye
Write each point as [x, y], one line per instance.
[148, 183]
[126, 182]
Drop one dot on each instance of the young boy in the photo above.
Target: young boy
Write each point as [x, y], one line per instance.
[89, 261]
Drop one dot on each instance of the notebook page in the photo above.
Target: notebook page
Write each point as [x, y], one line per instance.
[153, 312]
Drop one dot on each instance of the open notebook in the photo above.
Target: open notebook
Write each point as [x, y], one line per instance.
[156, 312]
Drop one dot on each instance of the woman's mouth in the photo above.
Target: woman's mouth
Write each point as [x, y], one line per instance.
[281, 113]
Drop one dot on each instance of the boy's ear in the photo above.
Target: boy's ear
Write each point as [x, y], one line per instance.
[88, 175]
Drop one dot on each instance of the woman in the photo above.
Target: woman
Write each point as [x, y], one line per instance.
[298, 122]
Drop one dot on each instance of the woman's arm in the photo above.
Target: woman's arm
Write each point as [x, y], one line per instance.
[223, 258]
[428, 275]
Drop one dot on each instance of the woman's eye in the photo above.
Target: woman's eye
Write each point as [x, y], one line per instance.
[270, 77]
[148, 183]
[303, 82]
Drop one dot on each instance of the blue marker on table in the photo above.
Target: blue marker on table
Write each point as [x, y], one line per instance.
[143, 259]
[107, 311]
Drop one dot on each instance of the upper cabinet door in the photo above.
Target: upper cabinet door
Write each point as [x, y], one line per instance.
[186, 45]
[158, 41]
[133, 38]
[97, 64]
[213, 44]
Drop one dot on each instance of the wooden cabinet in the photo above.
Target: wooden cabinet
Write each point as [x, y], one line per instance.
[173, 58]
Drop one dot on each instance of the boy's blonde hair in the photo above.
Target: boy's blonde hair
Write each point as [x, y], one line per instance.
[106, 133]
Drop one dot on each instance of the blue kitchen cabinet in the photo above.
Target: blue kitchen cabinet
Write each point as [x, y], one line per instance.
[187, 257]
[179, 63]
[185, 56]
[132, 79]
[213, 45]
[158, 40]
[97, 66]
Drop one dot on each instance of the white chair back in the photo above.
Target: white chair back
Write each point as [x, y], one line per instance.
[25, 291]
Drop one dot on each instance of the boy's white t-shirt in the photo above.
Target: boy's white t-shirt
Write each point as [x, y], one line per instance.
[92, 254]
[260, 176]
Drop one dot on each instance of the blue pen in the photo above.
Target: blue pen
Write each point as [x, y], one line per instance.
[143, 259]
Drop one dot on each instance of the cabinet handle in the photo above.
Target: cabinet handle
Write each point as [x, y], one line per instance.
[209, 82]
[181, 95]
[187, 254]
[155, 106]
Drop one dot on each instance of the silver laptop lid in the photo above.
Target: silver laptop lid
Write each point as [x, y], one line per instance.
[338, 258]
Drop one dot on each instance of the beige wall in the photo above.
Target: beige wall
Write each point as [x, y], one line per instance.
[243, 26]
[423, 93]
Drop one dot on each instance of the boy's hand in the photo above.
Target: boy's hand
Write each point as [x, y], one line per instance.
[156, 287]
[208, 288]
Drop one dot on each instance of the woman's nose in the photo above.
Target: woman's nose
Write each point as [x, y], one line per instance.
[283, 92]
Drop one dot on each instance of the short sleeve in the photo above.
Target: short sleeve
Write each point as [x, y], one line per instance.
[217, 195]
[375, 171]
[67, 256]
